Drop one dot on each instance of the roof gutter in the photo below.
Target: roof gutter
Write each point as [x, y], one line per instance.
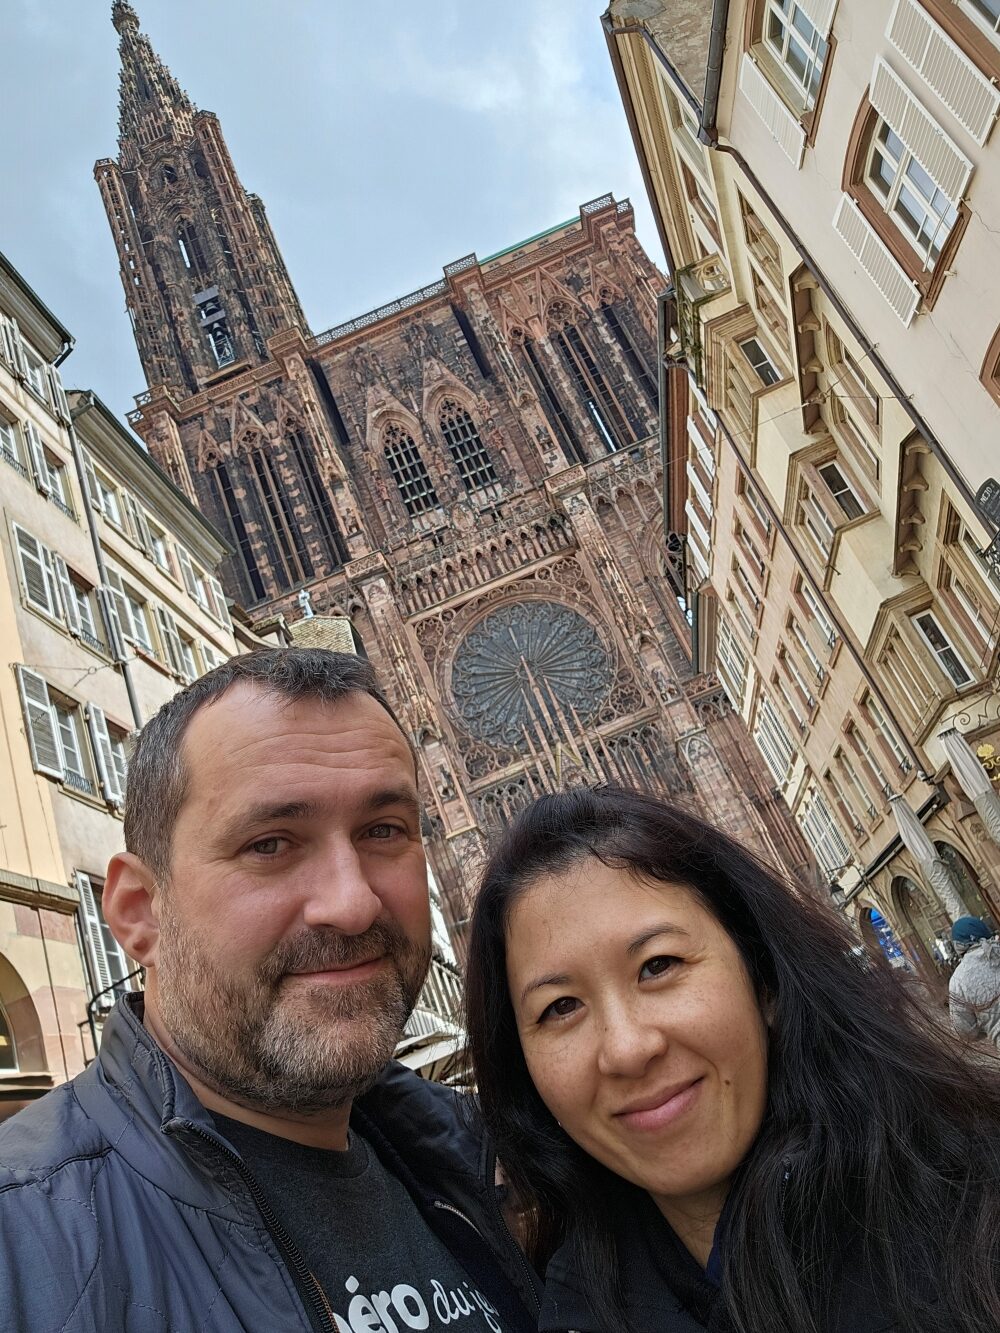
[710, 135]
[713, 72]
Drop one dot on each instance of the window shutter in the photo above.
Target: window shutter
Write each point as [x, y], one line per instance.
[138, 523]
[221, 606]
[819, 13]
[101, 741]
[91, 479]
[17, 349]
[59, 399]
[876, 259]
[99, 965]
[967, 93]
[109, 600]
[40, 718]
[784, 127]
[940, 157]
[36, 452]
[38, 573]
[7, 341]
[187, 570]
[67, 594]
[171, 640]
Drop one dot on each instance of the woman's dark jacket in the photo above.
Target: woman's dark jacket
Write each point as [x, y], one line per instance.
[122, 1210]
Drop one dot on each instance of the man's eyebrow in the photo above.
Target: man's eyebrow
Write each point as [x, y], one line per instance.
[404, 796]
[267, 812]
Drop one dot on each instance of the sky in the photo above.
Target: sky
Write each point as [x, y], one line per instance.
[386, 138]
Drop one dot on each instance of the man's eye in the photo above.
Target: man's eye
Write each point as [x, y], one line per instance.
[561, 1008]
[267, 846]
[383, 831]
[659, 966]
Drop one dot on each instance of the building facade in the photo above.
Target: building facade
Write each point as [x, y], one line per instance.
[108, 605]
[823, 175]
[471, 473]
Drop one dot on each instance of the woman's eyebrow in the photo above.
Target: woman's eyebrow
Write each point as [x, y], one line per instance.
[557, 979]
[664, 928]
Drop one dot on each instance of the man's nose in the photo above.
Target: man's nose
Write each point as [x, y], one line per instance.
[339, 894]
[628, 1044]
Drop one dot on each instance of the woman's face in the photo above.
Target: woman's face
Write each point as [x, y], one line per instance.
[640, 1028]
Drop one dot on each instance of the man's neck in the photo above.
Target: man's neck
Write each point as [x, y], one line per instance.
[326, 1129]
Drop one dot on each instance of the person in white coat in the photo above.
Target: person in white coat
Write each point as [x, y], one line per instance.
[974, 989]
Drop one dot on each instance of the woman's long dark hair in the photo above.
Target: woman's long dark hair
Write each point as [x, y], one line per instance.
[880, 1146]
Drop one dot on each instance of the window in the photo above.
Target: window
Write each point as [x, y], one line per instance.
[731, 663]
[761, 244]
[106, 499]
[985, 12]
[159, 547]
[108, 963]
[886, 733]
[601, 398]
[860, 792]
[475, 467]
[72, 742]
[189, 663]
[83, 598]
[922, 212]
[869, 760]
[117, 741]
[818, 612]
[944, 651]
[794, 674]
[59, 491]
[409, 473]
[10, 447]
[798, 46]
[755, 504]
[773, 740]
[841, 490]
[295, 565]
[816, 521]
[35, 372]
[829, 845]
[802, 640]
[751, 550]
[791, 706]
[762, 364]
[772, 315]
[41, 724]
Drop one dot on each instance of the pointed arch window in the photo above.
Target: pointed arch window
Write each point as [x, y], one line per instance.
[409, 472]
[470, 456]
[192, 255]
[600, 398]
[295, 565]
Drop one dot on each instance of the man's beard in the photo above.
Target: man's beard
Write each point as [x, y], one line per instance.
[275, 1047]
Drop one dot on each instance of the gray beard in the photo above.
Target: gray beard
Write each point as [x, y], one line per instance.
[278, 1048]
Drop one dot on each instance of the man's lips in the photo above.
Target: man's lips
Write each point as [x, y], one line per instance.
[661, 1108]
[340, 974]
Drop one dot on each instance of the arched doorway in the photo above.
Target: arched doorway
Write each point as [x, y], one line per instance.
[19, 1021]
[922, 929]
[969, 888]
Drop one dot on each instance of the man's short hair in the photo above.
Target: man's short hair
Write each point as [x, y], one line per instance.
[157, 778]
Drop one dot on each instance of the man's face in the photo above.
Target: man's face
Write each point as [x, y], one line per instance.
[295, 927]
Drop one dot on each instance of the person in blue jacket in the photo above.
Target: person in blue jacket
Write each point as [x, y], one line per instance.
[243, 1154]
[718, 1113]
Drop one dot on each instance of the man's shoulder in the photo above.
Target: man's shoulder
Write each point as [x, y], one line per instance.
[417, 1114]
[46, 1137]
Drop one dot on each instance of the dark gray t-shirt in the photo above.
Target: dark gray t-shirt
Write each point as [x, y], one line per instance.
[382, 1268]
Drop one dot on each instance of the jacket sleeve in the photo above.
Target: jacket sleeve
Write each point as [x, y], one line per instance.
[963, 1014]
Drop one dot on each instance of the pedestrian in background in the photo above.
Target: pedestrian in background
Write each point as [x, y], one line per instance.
[974, 988]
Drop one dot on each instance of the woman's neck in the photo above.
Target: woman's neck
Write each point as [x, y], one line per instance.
[694, 1219]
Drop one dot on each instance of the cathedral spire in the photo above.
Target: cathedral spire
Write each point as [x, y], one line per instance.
[152, 106]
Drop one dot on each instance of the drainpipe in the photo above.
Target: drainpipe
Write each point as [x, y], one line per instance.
[713, 72]
[95, 542]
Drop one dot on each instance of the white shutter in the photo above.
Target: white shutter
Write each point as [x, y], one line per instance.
[220, 605]
[784, 128]
[101, 741]
[824, 836]
[99, 966]
[38, 574]
[67, 594]
[36, 452]
[91, 479]
[40, 718]
[877, 260]
[187, 571]
[965, 90]
[819, 13]
[121, 604]
[59, 399]
[7, 341]
[17, 349]
[940, 156]
[108, 600]
[773, 740]
[171, 640]
[138, 523]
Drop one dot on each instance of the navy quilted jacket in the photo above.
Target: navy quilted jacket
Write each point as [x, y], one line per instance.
[122, 1209]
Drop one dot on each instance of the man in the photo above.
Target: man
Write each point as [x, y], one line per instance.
[242, 1155]
[974, 988]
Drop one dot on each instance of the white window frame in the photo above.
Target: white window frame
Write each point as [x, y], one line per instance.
[35, 376]
[830, 847]
[903, 167]
[841, 489]
[773, 741]
[806, 85]
[138, 609]
[802, 639]
[760, 361]
[818, 612]
[988, 25]
[73, 745]
[941, 653]
[881, 724]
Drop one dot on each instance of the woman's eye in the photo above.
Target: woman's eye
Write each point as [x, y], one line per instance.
[267, 846]
[659, 966]
[561, 1008]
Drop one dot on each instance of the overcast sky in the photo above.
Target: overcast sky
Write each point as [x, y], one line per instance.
[385, 137]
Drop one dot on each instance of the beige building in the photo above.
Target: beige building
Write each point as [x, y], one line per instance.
[825, 177]
[108, 604]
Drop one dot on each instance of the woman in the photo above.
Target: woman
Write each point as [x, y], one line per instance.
[715, 1113]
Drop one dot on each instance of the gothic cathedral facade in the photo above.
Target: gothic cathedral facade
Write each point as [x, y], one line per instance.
[471, 473]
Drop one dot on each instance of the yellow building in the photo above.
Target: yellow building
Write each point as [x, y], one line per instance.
[824, 177]
[108, 604]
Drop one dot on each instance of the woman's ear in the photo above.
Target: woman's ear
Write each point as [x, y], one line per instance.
[128, 905]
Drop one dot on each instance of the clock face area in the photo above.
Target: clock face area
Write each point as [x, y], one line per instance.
[534, 666]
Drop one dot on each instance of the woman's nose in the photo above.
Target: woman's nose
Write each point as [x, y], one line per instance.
[628, 1045]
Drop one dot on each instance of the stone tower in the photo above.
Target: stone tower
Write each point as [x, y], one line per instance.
[471, 473]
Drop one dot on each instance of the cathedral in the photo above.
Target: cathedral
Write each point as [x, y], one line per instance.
[471, 473]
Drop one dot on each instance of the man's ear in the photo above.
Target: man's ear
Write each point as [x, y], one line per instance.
[130, 907]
